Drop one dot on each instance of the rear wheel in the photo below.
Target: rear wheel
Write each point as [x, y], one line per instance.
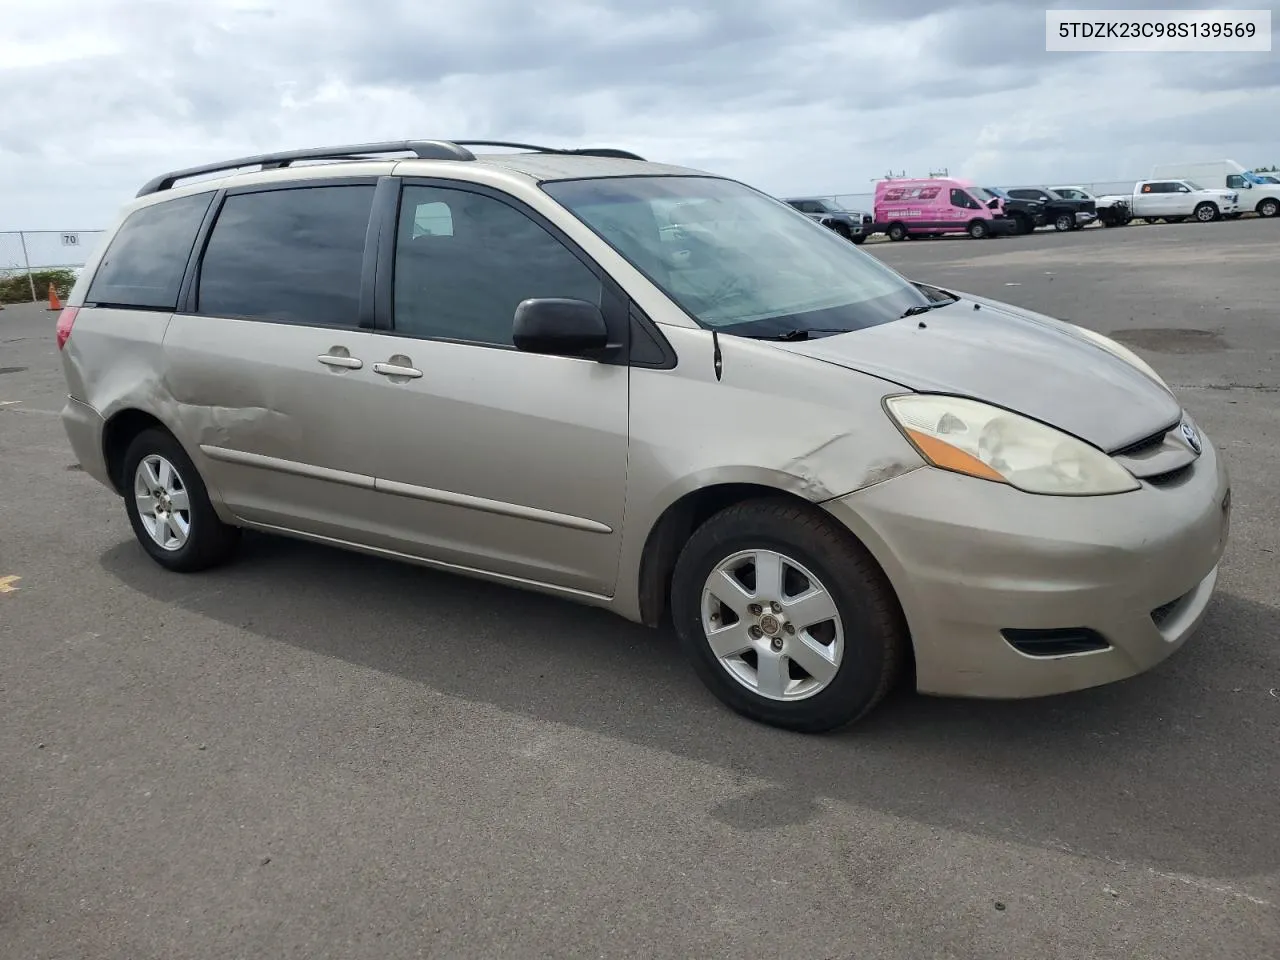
[897, 231]
[1205, 212]
[978, 229]
[169, 508]
[785, 616]
[1269, 207]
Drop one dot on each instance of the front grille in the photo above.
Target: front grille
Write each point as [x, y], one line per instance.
[1139, 447]
[1056, 642]
[1171, 477]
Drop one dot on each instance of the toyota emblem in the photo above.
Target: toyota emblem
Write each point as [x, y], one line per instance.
[1191, 435]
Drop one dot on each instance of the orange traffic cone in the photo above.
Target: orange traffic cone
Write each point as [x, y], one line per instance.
[54, 302]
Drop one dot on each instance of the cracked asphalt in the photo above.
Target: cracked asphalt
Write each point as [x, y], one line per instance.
[315, 754]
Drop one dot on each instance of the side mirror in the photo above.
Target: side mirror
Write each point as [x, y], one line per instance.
[563, 327]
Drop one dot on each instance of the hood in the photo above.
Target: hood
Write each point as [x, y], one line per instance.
[1013, 358]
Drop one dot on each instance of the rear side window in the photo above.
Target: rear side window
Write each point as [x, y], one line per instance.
[289, 255]
[145, 260]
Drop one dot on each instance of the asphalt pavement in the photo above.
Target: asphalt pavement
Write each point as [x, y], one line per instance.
[312, 754]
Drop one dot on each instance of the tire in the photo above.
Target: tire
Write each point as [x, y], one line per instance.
[872, 643]
[859, 239]
[978, 229]
[898, 231]
[843, 230]
[1063, 222]
[208, 541]
[1206, 212]
[1268, 207]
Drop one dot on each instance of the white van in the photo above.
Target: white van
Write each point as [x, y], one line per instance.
[1256, 193]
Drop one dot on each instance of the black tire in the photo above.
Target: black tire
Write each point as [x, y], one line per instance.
[1063, 222]
[1206, 212]
[843, 230]
[875, 633]
[859, 238]
[978, 229]
[1268, 207]
[209, 540]
[898, 231]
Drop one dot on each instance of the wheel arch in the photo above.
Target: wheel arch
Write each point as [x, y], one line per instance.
[118, 432]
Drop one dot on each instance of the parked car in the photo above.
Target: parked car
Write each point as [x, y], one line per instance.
[935, 206]
[1025, 214]
[1113, 214]
[495, 365]
[1257, 193]
[1065, 213]
[850, 224]
[1176, 200]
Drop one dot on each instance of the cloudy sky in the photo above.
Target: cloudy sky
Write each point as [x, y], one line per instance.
[794, 96]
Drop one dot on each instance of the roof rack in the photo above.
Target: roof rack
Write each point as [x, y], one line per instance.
[421, 149]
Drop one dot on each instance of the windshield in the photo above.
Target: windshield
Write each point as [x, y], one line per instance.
[1193, 185]
[736, 260]
[982, 194]
[997, 192]
[1070, 193]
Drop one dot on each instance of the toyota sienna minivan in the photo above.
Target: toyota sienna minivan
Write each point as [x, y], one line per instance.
[508, 365]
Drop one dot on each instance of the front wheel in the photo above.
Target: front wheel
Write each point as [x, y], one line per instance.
[169, 508]
[978, 229]
[785, 616]
[1205, 212]
[859, 238]
[843, 230]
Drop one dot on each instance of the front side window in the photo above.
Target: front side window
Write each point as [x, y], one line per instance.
[289, 255]
[144, 263]
[745, 265]
[463, 278]
[960, 198]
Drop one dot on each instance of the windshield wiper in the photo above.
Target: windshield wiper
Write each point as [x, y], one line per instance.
[925, 308]
[799, 333]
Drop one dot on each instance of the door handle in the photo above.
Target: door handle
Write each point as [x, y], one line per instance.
[396, 370]
[346, 363]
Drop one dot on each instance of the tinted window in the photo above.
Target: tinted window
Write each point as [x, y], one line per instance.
[961, 199]
[291, 255]
[144, 264]
[467, 283]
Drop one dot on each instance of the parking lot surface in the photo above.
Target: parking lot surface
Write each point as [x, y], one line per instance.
[311, 753]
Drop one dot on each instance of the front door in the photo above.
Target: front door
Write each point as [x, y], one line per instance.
[487, 457]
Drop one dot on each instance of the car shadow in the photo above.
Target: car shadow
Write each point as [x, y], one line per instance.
[1173, 769]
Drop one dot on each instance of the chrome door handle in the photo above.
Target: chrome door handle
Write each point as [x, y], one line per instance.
[395, 370]
[347, 363]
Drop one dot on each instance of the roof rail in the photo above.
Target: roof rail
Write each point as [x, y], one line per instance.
[422, 149]
[580, 151]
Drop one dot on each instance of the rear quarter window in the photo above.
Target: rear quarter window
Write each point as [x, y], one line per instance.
[144, 262]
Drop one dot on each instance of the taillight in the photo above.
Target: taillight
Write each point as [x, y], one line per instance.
[66, 320]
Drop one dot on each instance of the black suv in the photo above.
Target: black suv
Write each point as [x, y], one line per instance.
[1025, 214]
[1064, 213]
[850, 224]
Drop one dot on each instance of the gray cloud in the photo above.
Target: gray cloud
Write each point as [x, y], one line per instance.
[793, 95]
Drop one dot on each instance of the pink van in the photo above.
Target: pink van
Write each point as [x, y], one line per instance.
[937, 205]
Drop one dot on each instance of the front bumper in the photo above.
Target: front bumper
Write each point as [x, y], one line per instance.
[1001, 226]
[1084, 218]
[83, 426]
[970, 559]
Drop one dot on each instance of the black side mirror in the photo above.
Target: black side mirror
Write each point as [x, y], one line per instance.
[564, 327]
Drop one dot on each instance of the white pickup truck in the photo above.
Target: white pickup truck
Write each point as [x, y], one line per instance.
[1174, 201]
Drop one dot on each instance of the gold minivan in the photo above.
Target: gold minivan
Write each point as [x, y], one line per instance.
[653, 390]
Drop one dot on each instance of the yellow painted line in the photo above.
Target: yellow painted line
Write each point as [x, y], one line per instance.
[7, 584]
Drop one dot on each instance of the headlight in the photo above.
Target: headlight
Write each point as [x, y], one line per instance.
[1120, 351]
[979, 440]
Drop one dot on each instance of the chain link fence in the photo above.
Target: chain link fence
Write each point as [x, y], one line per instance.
[31, 260]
